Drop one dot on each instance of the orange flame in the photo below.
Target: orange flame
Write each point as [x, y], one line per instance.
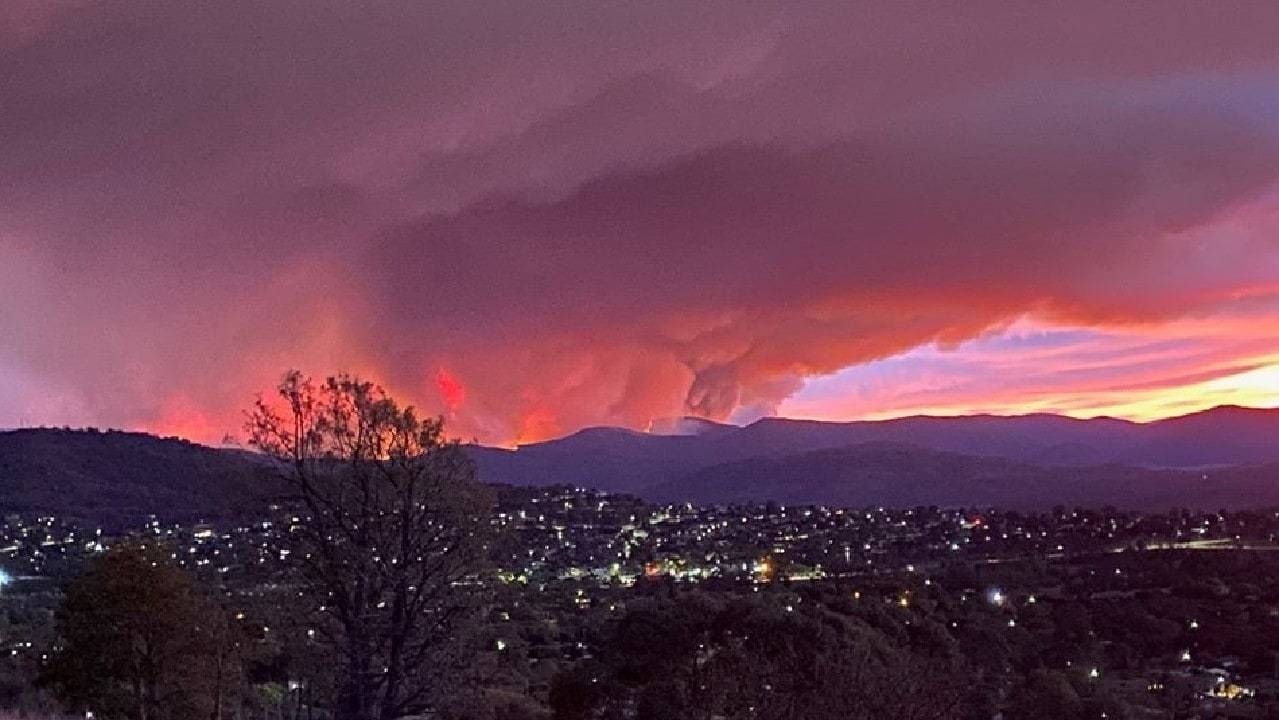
[451, 389]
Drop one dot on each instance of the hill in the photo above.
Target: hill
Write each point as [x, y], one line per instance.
[117, 476]
[906, 476]
[1223, 457]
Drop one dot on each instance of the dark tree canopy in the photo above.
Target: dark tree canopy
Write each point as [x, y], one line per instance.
[701, 657]
[138, 641]
[391, 542]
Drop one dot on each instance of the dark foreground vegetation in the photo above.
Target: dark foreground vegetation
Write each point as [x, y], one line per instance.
[1159, 634]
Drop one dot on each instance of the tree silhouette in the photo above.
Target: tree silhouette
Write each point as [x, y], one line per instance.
[392, 540]
[701, 657]
[138, 641]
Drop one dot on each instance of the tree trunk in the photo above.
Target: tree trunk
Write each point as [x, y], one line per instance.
[139, 697]
[356, 702]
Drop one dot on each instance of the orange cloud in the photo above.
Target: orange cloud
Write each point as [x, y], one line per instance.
[181, 416]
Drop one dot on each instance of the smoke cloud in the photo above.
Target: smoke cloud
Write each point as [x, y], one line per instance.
[535, 217]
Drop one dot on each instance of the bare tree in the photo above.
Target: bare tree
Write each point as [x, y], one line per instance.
[392, 539]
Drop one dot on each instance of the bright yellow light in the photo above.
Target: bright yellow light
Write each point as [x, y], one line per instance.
[1254, 388]
[1259, 387]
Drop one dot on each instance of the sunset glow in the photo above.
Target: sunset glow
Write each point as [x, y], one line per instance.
[1138, 373]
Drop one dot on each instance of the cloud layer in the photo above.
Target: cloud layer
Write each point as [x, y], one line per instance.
[535, 217]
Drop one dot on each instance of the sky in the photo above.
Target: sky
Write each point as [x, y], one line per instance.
[535, 217]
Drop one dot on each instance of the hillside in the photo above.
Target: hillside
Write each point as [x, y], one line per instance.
[1224, 457]
[904, 476]
[109, 476]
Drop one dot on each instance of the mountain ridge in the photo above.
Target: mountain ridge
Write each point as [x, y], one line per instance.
[628, 461]
[1039, 459]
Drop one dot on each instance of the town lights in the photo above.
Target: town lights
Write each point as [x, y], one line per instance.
[996, 597]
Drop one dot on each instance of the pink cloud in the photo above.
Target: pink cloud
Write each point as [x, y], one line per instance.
[609, 214]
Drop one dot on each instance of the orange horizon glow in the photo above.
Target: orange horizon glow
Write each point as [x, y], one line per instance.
[1139, 373]
[1258, 389]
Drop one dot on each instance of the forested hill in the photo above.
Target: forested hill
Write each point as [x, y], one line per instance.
[112, 475]
[907, 476]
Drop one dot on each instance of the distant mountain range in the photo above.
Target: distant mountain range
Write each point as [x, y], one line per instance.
[1224, 457]
[669, 466]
